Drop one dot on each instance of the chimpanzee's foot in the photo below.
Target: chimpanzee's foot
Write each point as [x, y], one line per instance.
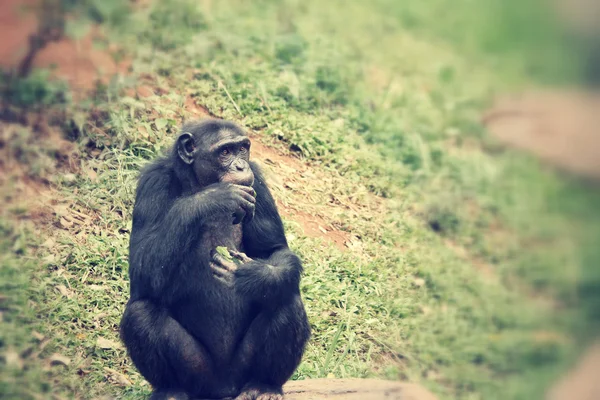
[260, 392]
[169, 395]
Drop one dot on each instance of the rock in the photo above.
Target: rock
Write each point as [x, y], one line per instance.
[354, 389]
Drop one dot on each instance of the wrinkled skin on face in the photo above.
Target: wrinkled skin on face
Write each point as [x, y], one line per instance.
[221, 156]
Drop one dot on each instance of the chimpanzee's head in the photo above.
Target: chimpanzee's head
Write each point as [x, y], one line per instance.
[216, 151]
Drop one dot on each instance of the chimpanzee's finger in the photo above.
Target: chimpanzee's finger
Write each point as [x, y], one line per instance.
[227, 281]
[240, 256]
[238, 216]
[248, 189]
[249, 208]
[249, 197]
[222, 262]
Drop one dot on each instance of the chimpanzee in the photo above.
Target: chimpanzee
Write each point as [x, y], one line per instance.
[199, 325]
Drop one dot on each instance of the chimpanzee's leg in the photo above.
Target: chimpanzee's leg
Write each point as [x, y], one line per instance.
[272, 350]
[175, 364]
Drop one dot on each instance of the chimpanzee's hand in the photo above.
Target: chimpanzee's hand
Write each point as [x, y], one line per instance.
[237, 200]
[240, 256]
[256, 279]
[224, 269]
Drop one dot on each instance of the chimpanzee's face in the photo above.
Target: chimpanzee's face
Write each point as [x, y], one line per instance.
[218, 156]
[231, 154]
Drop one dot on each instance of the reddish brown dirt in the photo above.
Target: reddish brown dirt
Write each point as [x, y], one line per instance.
[195, 109]
[16, 25]
[77, 62]
[24, 189]
[313, 225]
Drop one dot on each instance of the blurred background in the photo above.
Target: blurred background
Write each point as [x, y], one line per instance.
[436, 164]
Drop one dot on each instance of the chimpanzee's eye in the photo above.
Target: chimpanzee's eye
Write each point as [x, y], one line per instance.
[243, 150]
[225, 152]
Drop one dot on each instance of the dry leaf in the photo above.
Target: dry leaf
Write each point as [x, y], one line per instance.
[142, 130]
[69, 178]
[106, 344]
[354, 243]
[65, 223]
[42, 346]
[64, 291]
[117, 377]
[61, 209]
[97, 287]
[49, 243]
[92, 175]
[100, 315]
[12, 358]
[37, 336]
[419, 282]
[58, 359]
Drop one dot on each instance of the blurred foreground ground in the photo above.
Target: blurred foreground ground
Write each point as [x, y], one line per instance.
[562, 128]
[431, 255]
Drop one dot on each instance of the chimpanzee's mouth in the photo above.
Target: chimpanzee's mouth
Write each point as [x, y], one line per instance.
[243, 178]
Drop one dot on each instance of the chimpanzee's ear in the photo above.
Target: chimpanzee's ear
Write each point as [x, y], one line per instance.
[186, 147]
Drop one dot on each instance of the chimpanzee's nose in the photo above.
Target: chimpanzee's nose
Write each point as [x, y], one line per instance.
[240, 165]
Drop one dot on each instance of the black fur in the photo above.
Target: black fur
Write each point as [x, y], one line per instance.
[189, 333]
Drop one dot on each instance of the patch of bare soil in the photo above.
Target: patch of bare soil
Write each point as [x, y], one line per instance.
[25, 194]
[78, 62]
[561, 128]
[289, 173]
[25, 173]
[582, 382]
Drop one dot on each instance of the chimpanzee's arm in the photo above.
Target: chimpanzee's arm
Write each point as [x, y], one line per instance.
[164, 227]
[274, 275]
[167, 223]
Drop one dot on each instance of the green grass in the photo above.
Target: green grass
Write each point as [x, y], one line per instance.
[475, 273]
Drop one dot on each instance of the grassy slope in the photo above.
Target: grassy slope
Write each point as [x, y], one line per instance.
[491, 303]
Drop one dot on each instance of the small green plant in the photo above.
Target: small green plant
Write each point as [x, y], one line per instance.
[33, 90]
